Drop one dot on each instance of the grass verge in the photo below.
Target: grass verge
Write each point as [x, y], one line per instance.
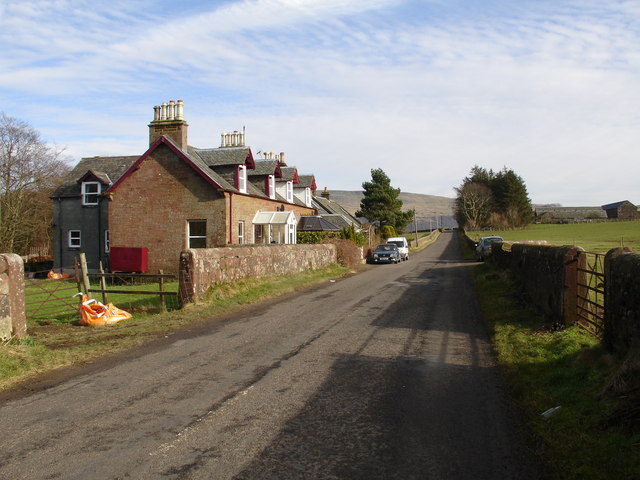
[60, 341]
[567, 368]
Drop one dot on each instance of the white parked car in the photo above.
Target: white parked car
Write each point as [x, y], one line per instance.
[402, 244]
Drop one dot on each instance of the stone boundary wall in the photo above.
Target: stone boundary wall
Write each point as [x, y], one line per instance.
[13, 321]
[548, 276]
[551, 279]
[429, 238]
[200, 269]
[622, 300]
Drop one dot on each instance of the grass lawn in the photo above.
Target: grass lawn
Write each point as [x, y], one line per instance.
[593, 237]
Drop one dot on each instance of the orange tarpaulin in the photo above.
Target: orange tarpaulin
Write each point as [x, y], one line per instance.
[57, 276]
[93, 312]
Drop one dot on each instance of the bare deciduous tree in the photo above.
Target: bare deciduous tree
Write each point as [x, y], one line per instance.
[473, 204]
[29, 170]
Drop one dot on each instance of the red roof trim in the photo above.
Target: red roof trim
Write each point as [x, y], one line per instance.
[295, 176]
[249, 161]
[175, 150]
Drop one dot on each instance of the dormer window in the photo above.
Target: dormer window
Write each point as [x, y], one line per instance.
[290, 192]
[271, 186]
[91, 193]
[307, 196]
[242, 178]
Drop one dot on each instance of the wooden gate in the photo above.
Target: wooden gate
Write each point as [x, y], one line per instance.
[47, 298]
[590, 302]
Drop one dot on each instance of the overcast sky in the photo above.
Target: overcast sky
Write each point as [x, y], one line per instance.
[424, 89]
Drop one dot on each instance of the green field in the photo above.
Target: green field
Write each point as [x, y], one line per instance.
[593, 237]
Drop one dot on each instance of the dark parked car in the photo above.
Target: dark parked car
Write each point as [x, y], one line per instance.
[483, 247]
[386, 253]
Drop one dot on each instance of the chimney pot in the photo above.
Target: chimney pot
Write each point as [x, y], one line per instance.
[168, 120]
[180, 112]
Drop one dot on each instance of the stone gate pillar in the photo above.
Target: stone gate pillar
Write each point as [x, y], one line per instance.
[13, 321]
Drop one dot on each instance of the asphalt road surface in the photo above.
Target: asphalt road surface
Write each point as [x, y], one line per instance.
[387, 374]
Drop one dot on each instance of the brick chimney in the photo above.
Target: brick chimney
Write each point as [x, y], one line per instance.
[325, 193]
[168, 120]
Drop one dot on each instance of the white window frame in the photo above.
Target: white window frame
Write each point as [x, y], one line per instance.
[271, 181]
[242, 178]
[106, 241]
[196, 237]
[241, 232]
[74, 238]
[290, 192]
[307, 196]
[88, 195]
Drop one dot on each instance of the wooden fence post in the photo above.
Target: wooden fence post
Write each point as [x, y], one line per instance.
[163, 304]
[76, 272]
[85, 276]
[103, 285]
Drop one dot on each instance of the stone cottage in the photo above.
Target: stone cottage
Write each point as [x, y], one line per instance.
[175, 196]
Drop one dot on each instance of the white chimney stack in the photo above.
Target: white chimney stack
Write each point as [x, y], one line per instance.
[180, 113]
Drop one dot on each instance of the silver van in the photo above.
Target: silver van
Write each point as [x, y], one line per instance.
[402, 244]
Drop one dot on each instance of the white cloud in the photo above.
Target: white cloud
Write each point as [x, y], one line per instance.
[424, 90]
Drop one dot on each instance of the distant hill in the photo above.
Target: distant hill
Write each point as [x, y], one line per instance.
[425, 205]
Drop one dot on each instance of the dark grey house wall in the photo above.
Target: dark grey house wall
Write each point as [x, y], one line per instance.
[70, 214]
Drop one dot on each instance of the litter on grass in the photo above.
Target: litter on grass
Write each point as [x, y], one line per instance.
[93, 312]
[547, 413]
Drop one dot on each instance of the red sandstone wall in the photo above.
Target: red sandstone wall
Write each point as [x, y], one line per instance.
[152, 206]
[203, 268]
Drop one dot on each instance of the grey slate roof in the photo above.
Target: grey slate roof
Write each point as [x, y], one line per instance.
[287, 174]
[610, 206]
[316, 223]
[105, 168]
[264, 167]
[327, 206]
[216, 157]
[210, 163]
[304, 181]
[332, 210]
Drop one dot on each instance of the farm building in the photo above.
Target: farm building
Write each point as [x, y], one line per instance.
[624, 210]
[568, 214]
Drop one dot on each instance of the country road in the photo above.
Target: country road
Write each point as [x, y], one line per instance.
[387, 374]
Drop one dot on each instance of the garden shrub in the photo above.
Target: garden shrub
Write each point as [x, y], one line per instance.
[349, 254]
[387, 232]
